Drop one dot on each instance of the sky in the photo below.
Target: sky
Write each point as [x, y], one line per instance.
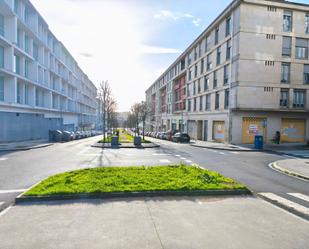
[130, 43]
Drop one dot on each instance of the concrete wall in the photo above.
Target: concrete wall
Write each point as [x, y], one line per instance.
[26, 126]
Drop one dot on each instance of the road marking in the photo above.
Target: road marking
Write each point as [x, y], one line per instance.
[12, 191]
[178, 155]
[286, 202]
[3, 158]
[188, 161]
[158, 154]
[300, 196]
[222, 153]
[235, 152]
[183, 158]
[164, 161]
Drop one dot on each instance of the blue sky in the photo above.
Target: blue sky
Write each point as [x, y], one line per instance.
[128, 42]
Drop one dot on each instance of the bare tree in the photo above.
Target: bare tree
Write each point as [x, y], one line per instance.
[145, 111]
[135, 110]
[107, 104]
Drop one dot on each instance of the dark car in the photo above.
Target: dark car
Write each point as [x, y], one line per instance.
[181, 138]
[170, 134]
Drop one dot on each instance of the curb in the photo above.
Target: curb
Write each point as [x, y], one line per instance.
[238, 150]
[276, 167]
[96, 145]
[23, 199]
[27, 148]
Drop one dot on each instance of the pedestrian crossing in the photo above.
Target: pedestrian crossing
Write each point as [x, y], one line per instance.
[296, 203]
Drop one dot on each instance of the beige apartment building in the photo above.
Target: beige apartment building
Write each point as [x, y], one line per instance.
[247, 74]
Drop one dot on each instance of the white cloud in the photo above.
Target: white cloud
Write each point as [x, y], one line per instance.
[167, 14]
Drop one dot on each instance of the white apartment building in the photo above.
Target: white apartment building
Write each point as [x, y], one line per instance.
[41, 85]
[247, 74]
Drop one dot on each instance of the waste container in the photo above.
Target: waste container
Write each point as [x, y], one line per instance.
[115, 141]
[137, 141]
[258, 142]
[51, 135]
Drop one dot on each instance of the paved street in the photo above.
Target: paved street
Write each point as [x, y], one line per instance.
[20, 170]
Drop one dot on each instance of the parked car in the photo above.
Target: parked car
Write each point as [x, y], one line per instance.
[161, 135]
[170, 134]
[73, 135]
[181, 138]
[164, 136]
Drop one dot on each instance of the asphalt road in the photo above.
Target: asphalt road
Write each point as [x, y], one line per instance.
[20, 170]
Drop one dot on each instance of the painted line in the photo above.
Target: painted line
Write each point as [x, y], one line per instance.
[5, 211]
[188, 161]
[274, 166]
[12, 191]
[286, 203]
[300, 196]
[222, 153]
[3, 158]
[235, 152]
[178, 155]
[164, 161]
[183, 158]
[158, 154]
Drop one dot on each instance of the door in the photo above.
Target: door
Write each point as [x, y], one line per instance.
[192, 129]
[252, 126]
[218, 131]
[293, 130]
[205, 130]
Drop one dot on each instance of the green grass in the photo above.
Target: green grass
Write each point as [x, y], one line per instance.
[130, 179]
[124, 137]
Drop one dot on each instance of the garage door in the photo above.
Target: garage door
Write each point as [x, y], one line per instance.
[218, 131]
[293, 130]
[252, 126]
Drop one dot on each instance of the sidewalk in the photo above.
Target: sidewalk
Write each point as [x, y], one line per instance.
[294, 167]
[220, 146]
[24, 145]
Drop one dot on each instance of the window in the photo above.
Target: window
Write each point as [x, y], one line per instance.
[189, 105]
[306, 74]
[190, 74]
[1, 89]
[195, 70]
[1, 25]
[27, 44]
[36, 97]
[228, 26]
[287, 21]
[218, 55]
[194, 88]
[194, 104]
[228, 50]
[16, 64]
[286, 46]
[301, 49]
[299, 99]
[18, 38]
[1, 56]
[284, 98]
[226, 98]
[201, 103]
[26, 94]
[285, 72]
[35, 52]
[217, 36]
[215, 82]
[206, 83]
[26, 68]
[207, 44]
[226, 74]
[16, 6]
[209, 63]
[217, 101]
[18, 93]
[207, 105]
[202, 66]
[307, 23]
[198, 86]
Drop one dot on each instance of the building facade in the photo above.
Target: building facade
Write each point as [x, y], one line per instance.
[247, 74]
[41, 85]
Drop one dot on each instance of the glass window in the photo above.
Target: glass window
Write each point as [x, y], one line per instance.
[1, 25]
[206, 83]
[301, 48]
[26, 68]
[286, 46]
[194, 104]
[16, 6]
[228, 50]
[226, 74]
[307, 23]
[26, 94]
[299, 99]
[287, 21]
[1, 89]
[285, 72]
[189, 105]
[217, 101]
[226, 98]
[202, 66]
[217, 36]
[209, 62]
[201, 103]
[16, 64]
[27, 44]
[207, 106]
[35, 52]
[218, 55]
[228, 26]
[18, 93]
[1, 56]
[284, 98]
[198, 86]
[306, 74]
[215, 82]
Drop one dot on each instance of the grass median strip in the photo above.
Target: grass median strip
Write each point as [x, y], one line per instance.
[134, 179]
